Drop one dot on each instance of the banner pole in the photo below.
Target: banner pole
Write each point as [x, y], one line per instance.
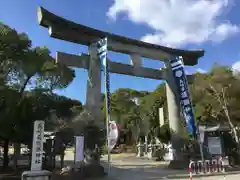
[107, 97]
[102, 51]
[108, 144]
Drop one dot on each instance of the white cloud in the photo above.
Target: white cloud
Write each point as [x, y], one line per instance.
[200, 70]
[223, 31]
[190, 71]
[236, 68]
[178, 22]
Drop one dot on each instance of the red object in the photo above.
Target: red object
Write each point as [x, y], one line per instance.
[190, 173]
[113, 126]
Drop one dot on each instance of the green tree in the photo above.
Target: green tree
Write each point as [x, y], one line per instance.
[150, 105]
[216, 97]
[125, 110]
[23, 69]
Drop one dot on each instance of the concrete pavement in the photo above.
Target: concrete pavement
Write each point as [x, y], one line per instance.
[129, 167]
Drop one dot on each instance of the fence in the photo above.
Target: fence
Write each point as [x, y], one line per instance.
[206, 167]
[148, 151]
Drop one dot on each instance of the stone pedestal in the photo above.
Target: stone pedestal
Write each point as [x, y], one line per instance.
[36, 175]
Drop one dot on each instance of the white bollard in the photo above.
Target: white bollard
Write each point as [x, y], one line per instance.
[221, 165]
[214, 166]
[200, 167]
[207, 167]
[190, 169]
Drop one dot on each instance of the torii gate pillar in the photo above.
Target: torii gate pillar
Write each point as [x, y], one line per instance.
[93, 96]
[174, 117]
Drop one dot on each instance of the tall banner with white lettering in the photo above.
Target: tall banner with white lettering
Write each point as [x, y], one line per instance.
[102, 53]
[183, 92]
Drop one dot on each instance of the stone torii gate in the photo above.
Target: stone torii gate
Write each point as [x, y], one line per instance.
[63, 29]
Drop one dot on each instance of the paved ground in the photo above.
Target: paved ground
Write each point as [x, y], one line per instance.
[128, 167]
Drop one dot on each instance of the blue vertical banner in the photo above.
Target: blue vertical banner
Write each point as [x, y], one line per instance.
[184, 95]
[102, 53]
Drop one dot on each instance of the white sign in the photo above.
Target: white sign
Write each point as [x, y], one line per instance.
[214, 145]
[37, 146]
[161, 117]
[79, 149]
[113, 134]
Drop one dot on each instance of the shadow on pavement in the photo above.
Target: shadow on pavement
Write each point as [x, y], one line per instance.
[140, 172]
[145, 172]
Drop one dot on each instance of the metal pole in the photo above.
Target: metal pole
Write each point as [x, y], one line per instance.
[107, 97]
[102, 51]
[108, 144]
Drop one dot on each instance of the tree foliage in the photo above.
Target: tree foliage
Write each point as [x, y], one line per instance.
[142, 118]
[28, 78]
[208, 88]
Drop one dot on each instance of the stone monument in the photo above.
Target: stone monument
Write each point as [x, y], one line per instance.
[66, 30]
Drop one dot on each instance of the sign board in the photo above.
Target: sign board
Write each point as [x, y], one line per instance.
[214, 145]
[161, 117]
[37, 146]
[113, 134]
[79, 149]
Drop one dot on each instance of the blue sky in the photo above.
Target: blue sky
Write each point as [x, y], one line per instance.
[189, 25]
